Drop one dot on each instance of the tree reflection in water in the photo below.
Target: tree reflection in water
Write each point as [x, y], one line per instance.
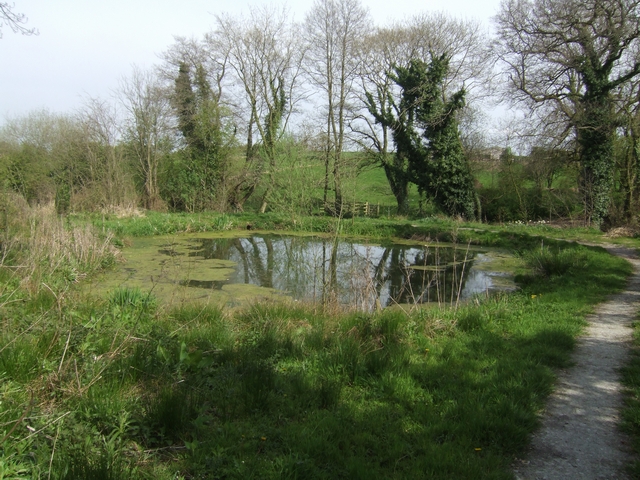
[357, 274]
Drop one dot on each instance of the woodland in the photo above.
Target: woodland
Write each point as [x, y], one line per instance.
[249, 117]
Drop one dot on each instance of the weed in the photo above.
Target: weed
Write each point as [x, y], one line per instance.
[170, 411]
[126, 297]
[50, 252]
[222, 222]
[258, 383]
[328, 392]
[631, 412]
[546, 262]
[470, 320]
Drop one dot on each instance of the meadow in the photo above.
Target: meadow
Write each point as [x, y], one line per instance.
[127, 387]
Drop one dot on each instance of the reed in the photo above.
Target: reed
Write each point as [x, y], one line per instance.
[42, 249]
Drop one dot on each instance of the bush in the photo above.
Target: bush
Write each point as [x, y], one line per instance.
[132, 297]
[505, 205]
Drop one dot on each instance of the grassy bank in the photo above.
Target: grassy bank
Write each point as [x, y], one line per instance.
[512, 236]
[631, 413]
[126, 389]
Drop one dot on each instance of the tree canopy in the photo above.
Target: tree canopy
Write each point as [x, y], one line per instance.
[15, 21]
[565, 59]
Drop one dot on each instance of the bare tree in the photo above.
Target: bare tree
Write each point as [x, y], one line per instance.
[463, 41]
[15, 21]
[39, 128]
[265, 56]
[147, 127]
[42, 153]
[108, 184]
[563, 59]
[334, 29]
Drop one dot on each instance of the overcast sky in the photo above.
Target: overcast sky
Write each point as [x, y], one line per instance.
[86, 46]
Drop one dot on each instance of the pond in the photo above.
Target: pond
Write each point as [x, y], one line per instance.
[234, 270]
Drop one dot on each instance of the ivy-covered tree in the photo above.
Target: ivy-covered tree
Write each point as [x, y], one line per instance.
[381, 101]
[565, 59]
[193, 177]
[420, 36]
[265, 57]
[184, 102]
[424, 127]
[444, 173]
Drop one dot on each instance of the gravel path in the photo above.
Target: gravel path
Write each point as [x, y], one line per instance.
[579, 438]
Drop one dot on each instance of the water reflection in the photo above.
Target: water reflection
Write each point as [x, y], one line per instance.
[347, 272]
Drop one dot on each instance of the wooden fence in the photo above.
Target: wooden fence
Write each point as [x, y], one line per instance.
[364, 209]
[361, 209]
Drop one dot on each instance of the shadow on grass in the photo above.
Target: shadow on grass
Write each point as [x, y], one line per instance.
[346, 410]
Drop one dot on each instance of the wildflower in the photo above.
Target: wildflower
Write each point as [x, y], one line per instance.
[263, 438]
[534, 296]
[477, 449]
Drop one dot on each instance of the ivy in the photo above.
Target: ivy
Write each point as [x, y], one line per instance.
[195, 174]
[595, 136]
[424, 127]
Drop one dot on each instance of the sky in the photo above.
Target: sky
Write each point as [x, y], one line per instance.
[86, 47]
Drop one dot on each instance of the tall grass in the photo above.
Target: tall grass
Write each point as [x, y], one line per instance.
[44, 252]
[548, 262]
[520, 237]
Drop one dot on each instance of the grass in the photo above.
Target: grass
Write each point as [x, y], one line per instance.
[548, 263]
[124, 389]
[631, 412]
[431, 228]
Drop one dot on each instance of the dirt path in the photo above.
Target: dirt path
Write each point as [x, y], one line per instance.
[579, 438]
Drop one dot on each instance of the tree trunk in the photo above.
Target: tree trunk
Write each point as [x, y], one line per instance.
[399, 186]
[595, 138]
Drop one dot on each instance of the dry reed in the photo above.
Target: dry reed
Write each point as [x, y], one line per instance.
[43, 245]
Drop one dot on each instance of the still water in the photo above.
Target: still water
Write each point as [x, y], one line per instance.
[233, 270]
